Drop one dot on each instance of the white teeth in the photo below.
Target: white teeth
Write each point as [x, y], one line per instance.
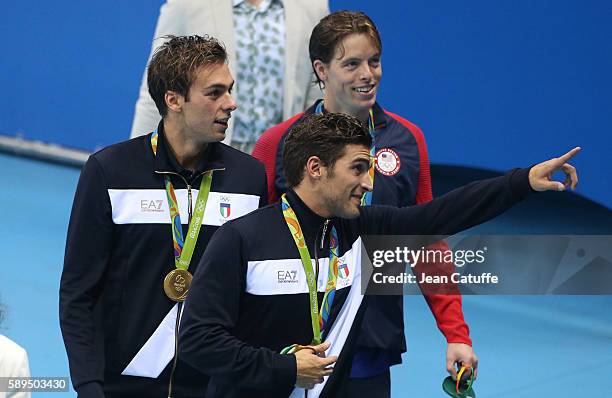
[363, 89]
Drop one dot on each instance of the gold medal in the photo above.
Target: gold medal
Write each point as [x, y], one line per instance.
[176, 284]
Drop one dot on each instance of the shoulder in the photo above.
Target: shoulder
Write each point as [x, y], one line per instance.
[122, 151]
[314, 10]
[256, 221]
[407, 125]
[9, 347]
[184, 5]
[126, 158]
[14, 358]
[242, 172]
[274, 133]
[268, 142]
[247, 230]
[234, 157]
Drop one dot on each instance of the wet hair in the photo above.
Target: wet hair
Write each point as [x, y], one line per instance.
[332, 29]
[175, 64]
[323, 135]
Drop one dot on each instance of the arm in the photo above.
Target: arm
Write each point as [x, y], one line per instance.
[540, 179]
[146, 115]
[88, 249]
[212, 311]
[446, 309]
[471, 204]
[459, 209]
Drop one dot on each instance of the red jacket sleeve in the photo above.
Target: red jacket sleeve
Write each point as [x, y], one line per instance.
[447, 309]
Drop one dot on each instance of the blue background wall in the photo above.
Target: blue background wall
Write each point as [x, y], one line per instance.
[492, 84]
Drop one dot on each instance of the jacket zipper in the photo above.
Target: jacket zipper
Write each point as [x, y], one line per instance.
[324, 232]
[320, 247]
[180, 305]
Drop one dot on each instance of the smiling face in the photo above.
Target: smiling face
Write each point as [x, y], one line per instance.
[343, 185]
[205, 113]
[352, 76]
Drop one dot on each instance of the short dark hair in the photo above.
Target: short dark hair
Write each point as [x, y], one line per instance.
[333, 28]
[323, 135]
[175, 63]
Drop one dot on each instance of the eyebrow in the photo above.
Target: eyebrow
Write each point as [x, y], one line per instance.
[377, 55]
[220, 86]
[362, 160]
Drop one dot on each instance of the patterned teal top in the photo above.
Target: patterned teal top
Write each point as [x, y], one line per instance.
[260, 52]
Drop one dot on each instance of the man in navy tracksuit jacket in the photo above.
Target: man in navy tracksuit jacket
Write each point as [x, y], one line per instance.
[120, 243]
[410, 184]
[249, 298]
[345, 49]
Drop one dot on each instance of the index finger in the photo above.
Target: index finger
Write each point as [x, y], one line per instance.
[321, 348]
[329, 360]
[569, 155]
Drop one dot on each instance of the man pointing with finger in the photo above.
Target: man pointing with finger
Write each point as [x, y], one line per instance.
[275, 284]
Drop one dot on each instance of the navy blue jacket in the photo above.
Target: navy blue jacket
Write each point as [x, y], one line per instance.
[406, 184]
[248, 299]
[118, 251]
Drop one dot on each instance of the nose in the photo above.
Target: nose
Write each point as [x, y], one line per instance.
[231, 104]
[366, 182]
[366, 72]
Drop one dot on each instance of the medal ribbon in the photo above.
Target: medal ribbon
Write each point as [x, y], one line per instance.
[183, 248]
[318, 317]
[366, 199]
[469, 382]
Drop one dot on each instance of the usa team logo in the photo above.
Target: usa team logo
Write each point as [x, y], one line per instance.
[343, 271]
[387, 162]
[225, 209]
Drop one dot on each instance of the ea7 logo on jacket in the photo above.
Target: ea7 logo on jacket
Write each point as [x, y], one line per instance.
[151, 205]
[287, 276]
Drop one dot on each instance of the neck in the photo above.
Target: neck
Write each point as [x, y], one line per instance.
[185, 149]
[310, 199]
[334, 107]
[256, 3]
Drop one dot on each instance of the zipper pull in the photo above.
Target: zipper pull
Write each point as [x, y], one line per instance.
[189, 203]
[323, 234]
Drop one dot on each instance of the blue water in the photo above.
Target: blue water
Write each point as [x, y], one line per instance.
[528, 346]
[534, 346]
[36, 204]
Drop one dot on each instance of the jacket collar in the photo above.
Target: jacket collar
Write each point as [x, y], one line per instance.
[380, 117]
[310, 222]
[165, 161]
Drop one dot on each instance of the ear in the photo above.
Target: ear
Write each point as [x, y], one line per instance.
[314, 168]
[320, 69]
[174, 101]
